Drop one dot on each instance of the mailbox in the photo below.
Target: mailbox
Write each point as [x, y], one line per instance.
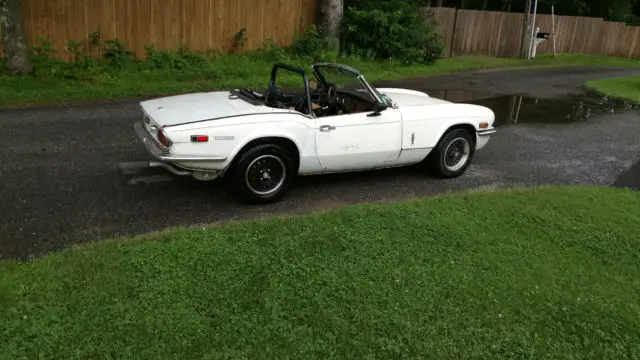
[543, 35]
[539, 39]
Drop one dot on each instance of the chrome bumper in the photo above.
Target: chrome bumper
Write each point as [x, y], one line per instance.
[162, 155]
[487, 132]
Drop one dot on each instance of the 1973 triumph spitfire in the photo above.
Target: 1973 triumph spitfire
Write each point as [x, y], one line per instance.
[262, 141]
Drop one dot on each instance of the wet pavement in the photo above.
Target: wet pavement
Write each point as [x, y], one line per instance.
[60, 183]
[519, 109]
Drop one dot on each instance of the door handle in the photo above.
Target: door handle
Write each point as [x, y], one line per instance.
[325, 128]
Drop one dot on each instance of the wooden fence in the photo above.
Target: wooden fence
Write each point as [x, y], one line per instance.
[495, 33]
[199, 24]
[213, 24]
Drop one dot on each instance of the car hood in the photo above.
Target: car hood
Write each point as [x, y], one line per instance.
[404, 97]
[181, 109]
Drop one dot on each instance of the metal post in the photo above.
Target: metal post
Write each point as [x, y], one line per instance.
[553, 30]
[533, 24]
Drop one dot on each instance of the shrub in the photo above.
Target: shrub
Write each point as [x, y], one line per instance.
[391, 30]
[309, 43]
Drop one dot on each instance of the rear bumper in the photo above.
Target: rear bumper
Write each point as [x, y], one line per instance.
[178, 165]
[163, 155]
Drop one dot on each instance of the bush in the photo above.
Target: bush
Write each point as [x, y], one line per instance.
[310, 43]
[391, 30]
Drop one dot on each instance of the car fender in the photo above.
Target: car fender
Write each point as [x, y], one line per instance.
[460, 123]
[424, 126]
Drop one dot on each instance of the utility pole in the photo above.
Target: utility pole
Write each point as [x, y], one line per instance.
[525, 30]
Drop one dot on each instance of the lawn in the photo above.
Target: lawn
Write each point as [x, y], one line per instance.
[538, 273]
[232, 70]
[627, 88]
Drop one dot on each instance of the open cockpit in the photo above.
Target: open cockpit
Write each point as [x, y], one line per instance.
[338, 90]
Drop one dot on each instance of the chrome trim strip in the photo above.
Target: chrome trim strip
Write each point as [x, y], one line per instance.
[162, 155]
[486, 132]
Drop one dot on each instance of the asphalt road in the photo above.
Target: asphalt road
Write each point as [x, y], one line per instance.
[60, 183]
[541, 83]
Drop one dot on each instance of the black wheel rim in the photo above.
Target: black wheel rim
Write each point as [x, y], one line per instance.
[265, 174]
[456, 154]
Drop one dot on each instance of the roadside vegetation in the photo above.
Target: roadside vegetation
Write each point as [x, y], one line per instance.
[620, 88]
[107, 68]
[62, 82]
[538, 273]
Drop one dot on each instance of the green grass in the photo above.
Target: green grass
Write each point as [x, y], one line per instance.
[627, 88]
[229, 71]
[542, 273]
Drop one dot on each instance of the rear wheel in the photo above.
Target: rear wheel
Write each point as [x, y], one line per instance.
[263, 174]
[453, 154]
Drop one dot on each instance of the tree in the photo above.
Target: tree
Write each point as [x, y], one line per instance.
[16, 51]
[332, 12]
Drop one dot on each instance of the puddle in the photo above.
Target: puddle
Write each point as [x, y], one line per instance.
[514, 109]
[521, 109]
[458, 95]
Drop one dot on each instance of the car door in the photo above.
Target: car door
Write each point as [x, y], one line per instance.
[358, 141]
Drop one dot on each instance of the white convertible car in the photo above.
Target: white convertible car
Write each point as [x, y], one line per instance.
[262, 141]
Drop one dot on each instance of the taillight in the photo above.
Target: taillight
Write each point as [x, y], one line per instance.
[199, 138]
[163, 138]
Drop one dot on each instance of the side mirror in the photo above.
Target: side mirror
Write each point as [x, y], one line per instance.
[377, 108]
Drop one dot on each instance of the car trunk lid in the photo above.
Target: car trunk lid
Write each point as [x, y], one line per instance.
[180, 109]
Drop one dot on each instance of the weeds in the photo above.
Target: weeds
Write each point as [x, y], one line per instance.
[116, 58]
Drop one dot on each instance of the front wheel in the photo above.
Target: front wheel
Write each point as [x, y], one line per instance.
[263, 174]
[453, 154]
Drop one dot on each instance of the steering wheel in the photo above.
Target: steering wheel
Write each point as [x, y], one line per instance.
[333, 104]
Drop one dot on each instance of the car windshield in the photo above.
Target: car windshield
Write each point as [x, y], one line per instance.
[344, 79]
[341, 78]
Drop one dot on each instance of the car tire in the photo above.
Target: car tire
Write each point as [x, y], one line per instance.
[456, 144]
[263, 174]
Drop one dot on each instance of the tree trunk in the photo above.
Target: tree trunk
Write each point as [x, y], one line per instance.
[332, 13]
[524, 41]
[16, 53]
